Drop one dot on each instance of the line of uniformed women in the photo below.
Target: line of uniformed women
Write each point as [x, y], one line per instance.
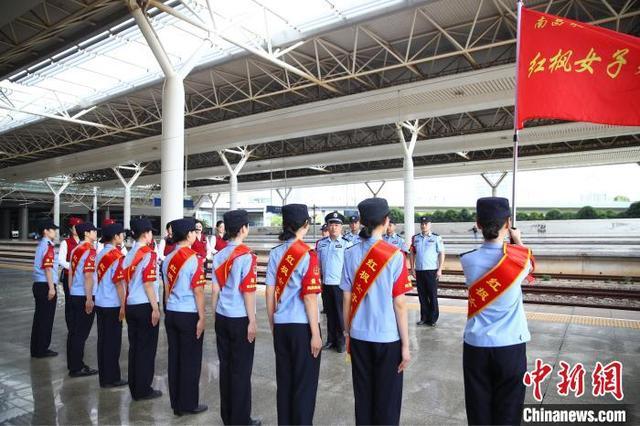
[374, 280]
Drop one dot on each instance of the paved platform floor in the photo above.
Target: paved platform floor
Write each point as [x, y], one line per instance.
[40, 392]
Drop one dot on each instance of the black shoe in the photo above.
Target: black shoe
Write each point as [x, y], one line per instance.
[116, 384]
[153, 395]
[47, 354]
[421, 322]
[340, 348]
[199, 409]
[255, 422]
[177, 413]
[430, 324]
[86, 371]
[328, 345]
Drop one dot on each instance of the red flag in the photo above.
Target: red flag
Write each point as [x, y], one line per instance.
[574, 71]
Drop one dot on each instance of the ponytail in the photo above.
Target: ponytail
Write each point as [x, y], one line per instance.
[289, 230]
[369, 226]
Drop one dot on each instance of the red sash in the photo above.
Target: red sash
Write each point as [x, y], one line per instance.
[77, 254]
[222, 271]
[106, 261]
[71, 244]
[499, 279]
[178, 260]
[131, 269]
[288, 264]
[168, 247]
[200, 247]
[372, 264]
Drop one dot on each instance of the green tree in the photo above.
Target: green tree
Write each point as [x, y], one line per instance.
[452, 216]
[553, 215]
[633, 210]
[438, 216]
[621, 198]
[568, 215]
[610, 214]
[465, 216]
[536, 216]
[397, 215]
[587, 212]
[276, 220]
[522, 216]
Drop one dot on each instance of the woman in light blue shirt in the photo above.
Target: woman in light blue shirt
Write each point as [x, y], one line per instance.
[293, 284]
[374, 281]
[495, 336]
[234, 300]
[140, 272]
[45, 272]
[109, 294]
[184, 282]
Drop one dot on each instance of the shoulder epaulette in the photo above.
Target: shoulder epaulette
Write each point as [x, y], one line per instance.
[353, 245]
[467, 252]
[344, 238]
[275, 247]
[433, 233]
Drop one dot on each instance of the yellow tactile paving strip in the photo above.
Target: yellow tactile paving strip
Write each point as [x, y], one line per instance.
[557, 318]
[532, 316]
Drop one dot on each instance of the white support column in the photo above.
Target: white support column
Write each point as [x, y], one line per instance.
[494, 185]
[214, 212]
[95, 206]
[408, 148]
[172, 140]
[24, 222]
[375, 192]
[56, 198]
[244, 154]
[283, 197]
[127, 192]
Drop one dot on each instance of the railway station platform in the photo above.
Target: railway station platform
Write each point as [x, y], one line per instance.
[38, 391]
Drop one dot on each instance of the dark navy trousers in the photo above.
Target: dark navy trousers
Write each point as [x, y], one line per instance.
[493, 387]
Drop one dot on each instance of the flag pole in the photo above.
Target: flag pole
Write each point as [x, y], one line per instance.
[516, 135]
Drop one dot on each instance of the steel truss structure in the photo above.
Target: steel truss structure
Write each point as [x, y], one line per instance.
[418, 43]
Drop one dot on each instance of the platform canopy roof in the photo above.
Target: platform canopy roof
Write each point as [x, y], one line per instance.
[80, 91]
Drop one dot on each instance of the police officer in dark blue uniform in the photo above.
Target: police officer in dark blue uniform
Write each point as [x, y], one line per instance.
[331, 256]
[427, 261]
[353, 236]
[394, 239]
[494, 354]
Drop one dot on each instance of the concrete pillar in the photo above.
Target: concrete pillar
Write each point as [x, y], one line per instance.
[56, 198]
[126, 214]
[408, 147]
[214, 210]
[172, 140]
[5, 226]
[233, 173]
[284, 195]
[493, 184]
[172, 149]
[373, 191]
[24, 222]
[107, 213]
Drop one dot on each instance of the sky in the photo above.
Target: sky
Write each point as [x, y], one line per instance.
[574, 187]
